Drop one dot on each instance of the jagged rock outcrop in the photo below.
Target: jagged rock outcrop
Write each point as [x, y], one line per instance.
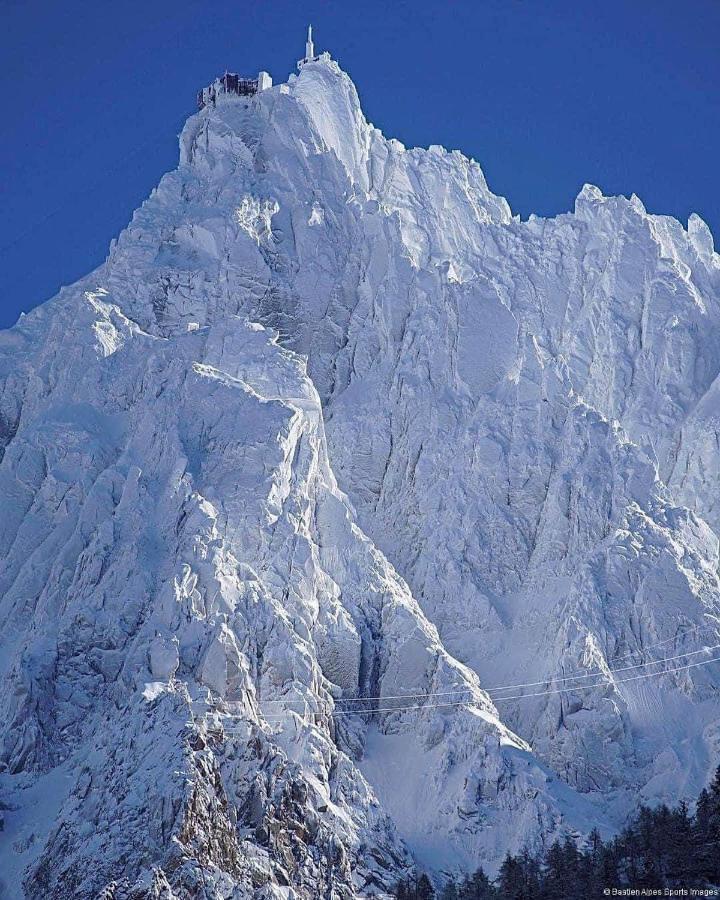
[331, 424]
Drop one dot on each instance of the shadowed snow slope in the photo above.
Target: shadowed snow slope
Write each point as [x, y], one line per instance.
[523, 420]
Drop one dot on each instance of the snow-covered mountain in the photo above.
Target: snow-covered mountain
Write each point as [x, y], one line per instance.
[330, 423]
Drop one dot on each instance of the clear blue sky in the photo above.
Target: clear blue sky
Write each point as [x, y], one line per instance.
[545, 94]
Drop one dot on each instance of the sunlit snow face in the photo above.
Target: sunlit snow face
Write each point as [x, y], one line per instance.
[317, 216]
[254, 216]
[173, 533]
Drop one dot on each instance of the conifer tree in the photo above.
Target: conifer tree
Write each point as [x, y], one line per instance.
[706, 833]
[512, 880]
[554, 874]
[477, 887]
[661, 847]
[424, 889]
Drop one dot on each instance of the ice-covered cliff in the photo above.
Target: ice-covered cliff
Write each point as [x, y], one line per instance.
[328, 424]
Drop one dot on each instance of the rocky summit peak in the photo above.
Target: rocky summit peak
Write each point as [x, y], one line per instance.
[351, 524]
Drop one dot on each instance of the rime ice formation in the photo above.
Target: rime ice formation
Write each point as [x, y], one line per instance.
[330, 423]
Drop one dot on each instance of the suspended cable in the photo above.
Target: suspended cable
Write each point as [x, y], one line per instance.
[508, 687]
[650, 662]
[352, 712]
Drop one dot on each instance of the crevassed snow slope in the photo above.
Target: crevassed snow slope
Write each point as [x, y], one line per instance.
[516, 414]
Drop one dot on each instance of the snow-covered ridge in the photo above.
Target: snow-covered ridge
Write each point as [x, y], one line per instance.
[330, 423]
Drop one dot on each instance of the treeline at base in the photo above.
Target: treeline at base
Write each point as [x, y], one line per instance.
[661, 848]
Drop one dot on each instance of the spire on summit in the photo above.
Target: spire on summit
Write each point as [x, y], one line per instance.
[309, 50]
[232, 85]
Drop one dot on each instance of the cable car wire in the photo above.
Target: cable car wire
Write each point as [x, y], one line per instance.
[450, 703]
[508, 687]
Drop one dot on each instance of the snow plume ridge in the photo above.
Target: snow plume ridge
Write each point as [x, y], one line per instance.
[330, 424]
